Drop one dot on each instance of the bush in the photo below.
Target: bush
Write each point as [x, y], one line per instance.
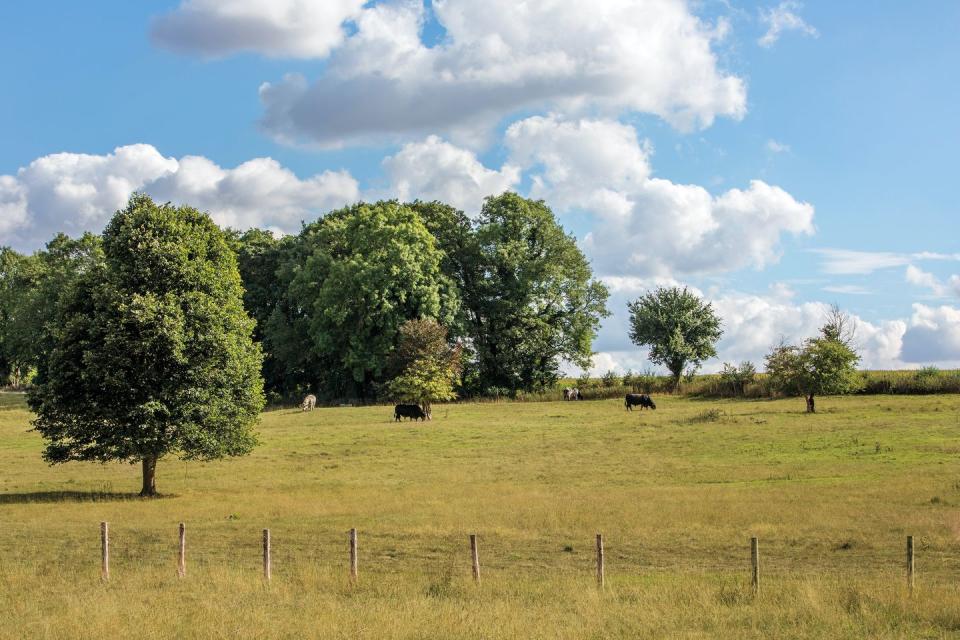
[610, 379]
[736, 378]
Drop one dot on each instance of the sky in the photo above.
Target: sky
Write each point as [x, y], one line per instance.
[775, 157]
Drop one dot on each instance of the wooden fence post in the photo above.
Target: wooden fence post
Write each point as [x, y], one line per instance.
[755, 564]
[266, 555]
[104, 551]
[600, 580]
[475, 558]
[910, 565]
[353, 555]
[182, 552]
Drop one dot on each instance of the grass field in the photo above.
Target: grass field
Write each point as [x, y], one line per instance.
[677, 494]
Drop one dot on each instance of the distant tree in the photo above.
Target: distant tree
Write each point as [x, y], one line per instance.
[426, 368]
[825, 365]
[152, 352]
[680, 329]
[610, 379]
[530, 297]
[736, 378]
[31, 291]
[367, 269]
[260, 255]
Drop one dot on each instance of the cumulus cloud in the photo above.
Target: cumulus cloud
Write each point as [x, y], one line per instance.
[918, 277]
[437, 170]
[276, 28]
[783, 17]
[73, 192]
[933, 336]
[500, 57]
[648, 226]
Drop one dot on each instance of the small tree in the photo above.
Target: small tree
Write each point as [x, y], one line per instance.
[825, 365]
[610, 379]
[152, 352]
[736, 378]
[426, 368]
[681, 329]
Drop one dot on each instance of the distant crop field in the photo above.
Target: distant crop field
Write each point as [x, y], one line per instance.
[677, 494]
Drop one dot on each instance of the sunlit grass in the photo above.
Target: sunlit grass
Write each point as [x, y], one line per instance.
[831, 498]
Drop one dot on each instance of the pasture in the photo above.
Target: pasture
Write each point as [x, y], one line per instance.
[677, 494]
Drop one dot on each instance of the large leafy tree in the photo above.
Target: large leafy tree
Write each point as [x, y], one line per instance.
[365, 270]
[680, 329]
[824, 365]
[152, 352]
[31, 291]
[530, 297]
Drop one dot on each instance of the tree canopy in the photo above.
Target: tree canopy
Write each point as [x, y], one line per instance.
[152, 351]
[531, 297]
[368, 269]
[680, 329]
[425, 368]
[824, 365]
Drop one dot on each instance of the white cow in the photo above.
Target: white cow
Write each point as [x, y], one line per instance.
[308, 403]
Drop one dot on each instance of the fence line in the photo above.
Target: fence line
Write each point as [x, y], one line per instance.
[474, 558]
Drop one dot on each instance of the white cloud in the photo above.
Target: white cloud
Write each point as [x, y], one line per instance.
[73, 192]
[276, 28]
[752, 325]
[777, 147]
[647, 226]
[500, 57]
[783, 18]
[933, 336]
[848, 289]
[847, 262]
[437, 170]
[13, 206]
[916, 276]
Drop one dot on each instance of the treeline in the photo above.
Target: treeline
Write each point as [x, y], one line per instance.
[513, 291]
[928, 380]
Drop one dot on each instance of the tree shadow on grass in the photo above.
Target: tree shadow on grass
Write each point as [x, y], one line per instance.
[39, 497]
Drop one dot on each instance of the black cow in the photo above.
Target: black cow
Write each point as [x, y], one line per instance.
[641, 399]
[412, 411]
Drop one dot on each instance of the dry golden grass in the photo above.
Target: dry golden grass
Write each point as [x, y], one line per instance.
[677, 493]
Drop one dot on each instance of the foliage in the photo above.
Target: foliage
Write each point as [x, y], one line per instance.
[427, 368]
[351, 280]
[736, 378]
[826, 365]
[152, 352]
[610, 379]
[31, 290]
[680, 329]
[530, 296]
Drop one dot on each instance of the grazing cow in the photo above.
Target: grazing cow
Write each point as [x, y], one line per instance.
[412, 411]
[642, 399]
[309, 402]
[567, 393]
[575, 394]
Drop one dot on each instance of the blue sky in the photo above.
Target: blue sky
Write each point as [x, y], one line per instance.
[845, 116]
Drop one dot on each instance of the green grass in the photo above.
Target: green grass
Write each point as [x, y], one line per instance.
[677, 494]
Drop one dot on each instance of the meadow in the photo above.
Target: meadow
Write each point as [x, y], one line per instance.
[677, 494]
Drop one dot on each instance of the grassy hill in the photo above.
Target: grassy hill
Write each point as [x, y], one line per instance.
[677, 494]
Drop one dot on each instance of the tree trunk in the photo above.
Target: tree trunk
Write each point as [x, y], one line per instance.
[811, 408]
[149, 477]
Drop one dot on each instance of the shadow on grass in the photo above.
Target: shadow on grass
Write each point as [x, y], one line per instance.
[72, 496]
